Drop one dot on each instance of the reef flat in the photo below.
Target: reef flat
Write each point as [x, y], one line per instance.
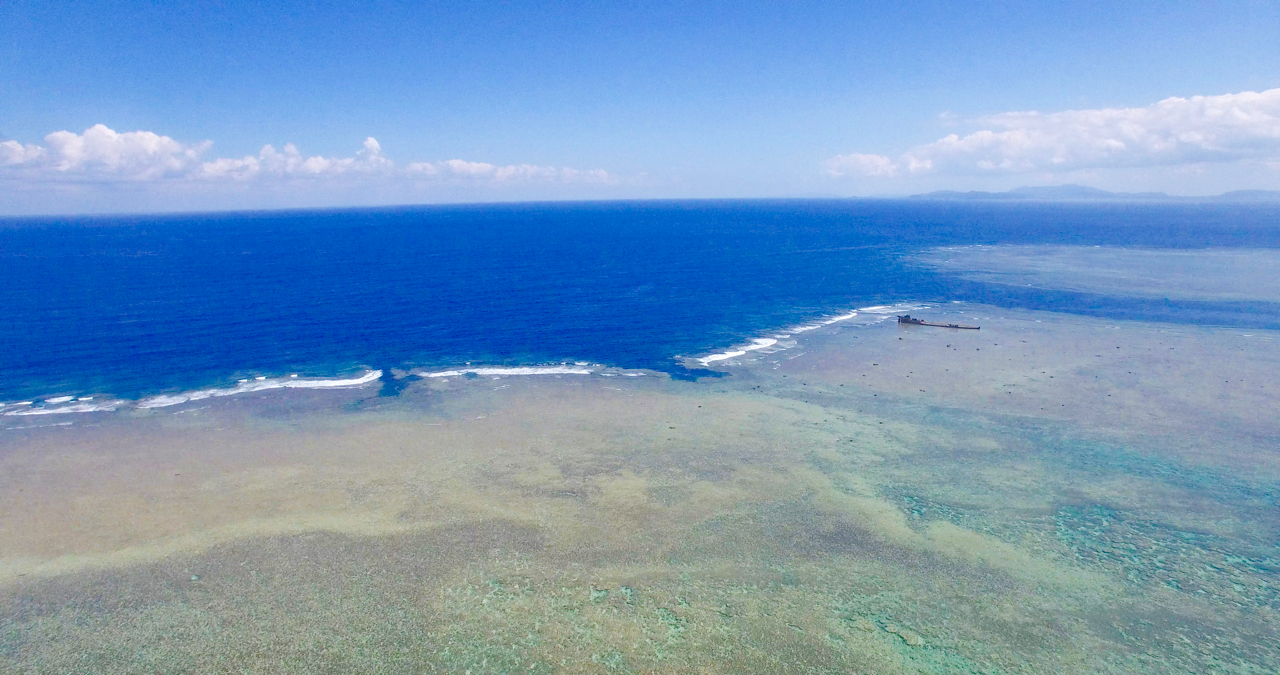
[1048, 494]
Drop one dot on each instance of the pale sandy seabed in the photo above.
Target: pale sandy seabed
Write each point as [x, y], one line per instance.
[1050, 494]
[1223, 274]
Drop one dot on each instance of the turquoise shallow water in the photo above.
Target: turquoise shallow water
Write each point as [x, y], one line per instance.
[1052, 493]
[1087, 490]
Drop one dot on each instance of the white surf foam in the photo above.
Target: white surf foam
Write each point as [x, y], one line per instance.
[41, 426]
[249, 386]
[820, 324]
[757, 344]
[886, 310]
[77, 408]
[527, 370]
[772, 343]
[880, 312]
[328, 383]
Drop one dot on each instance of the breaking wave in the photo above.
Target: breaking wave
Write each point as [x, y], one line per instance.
[780, 341]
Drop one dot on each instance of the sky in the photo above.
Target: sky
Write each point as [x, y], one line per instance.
[136, 106]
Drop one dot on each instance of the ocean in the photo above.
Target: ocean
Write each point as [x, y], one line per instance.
[645, 437]
[131, 306]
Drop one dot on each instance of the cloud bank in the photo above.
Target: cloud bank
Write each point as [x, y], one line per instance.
[101, 154]
[99, 151]
[1239, 127]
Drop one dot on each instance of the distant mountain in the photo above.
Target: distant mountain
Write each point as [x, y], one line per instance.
[1248, 196]
[1063, 193]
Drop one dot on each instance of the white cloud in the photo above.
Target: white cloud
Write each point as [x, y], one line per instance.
[458, 168]
[101, 154]
[1173, 132]
[422, 169]
[13, 152]
[861, 165]
[289, 162]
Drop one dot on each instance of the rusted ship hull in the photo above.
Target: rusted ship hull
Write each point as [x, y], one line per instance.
[917, 322]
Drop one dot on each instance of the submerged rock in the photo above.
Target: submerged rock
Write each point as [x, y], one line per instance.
[865, 625]
[912, 638]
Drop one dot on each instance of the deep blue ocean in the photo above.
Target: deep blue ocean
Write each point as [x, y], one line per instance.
[133, 305]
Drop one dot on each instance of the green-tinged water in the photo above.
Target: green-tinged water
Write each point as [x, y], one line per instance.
[1050, 494]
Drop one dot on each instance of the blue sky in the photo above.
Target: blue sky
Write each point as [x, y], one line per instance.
[509, 100]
